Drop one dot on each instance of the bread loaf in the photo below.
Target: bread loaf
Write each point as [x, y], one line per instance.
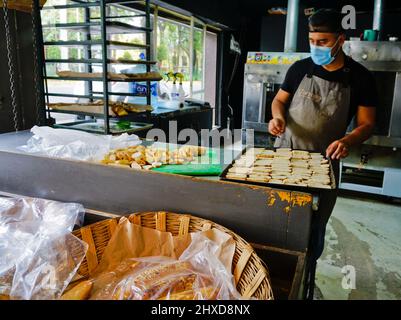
[166, 280]
[80, 292]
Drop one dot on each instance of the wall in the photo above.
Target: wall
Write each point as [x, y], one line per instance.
[21, 32]
[274, 41]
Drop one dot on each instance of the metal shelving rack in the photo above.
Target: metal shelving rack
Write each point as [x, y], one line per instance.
[105, 26]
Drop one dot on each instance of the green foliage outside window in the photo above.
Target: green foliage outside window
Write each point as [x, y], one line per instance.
[126, 56]
[173, 51]
[53, 53]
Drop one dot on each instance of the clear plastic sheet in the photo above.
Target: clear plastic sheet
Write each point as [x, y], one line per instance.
[39, 256]
[75, 145]
[199, 273]
[44, 274]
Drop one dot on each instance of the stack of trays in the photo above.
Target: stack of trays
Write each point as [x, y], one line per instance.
[282, 166]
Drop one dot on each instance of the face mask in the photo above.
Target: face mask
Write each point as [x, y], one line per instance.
[322, 55]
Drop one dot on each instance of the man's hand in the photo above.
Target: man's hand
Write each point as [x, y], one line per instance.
[277, 126]
[337, 150]
[365, 123]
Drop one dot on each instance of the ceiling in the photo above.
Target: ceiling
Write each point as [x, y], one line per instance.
[231, 12]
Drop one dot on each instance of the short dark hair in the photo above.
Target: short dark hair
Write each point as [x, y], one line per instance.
[326, 20]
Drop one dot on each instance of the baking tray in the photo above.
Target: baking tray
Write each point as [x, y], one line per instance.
[277, 185]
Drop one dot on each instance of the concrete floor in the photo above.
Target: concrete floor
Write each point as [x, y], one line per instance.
[363, 238]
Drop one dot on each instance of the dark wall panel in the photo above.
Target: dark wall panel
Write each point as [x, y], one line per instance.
[21, 33]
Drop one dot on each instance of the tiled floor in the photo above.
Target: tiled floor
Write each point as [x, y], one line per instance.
[363, 238]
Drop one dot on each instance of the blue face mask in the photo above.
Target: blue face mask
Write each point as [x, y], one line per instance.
[322, 55]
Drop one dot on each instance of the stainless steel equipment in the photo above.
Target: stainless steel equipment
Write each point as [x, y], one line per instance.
[375, 167]
[291, 26]
[264, 73]
[383, 59]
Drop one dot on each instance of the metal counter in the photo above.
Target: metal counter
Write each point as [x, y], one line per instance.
[261, 215]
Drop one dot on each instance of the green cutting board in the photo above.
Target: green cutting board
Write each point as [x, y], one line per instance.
[209, 166]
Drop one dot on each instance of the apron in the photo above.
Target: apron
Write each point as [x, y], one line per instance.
[317, 116]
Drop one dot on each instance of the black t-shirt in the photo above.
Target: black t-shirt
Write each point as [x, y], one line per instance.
[361, 81]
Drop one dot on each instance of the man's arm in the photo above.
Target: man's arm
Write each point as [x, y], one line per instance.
[277, 124]
[366, 117]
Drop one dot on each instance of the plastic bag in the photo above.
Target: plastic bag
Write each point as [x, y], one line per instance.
[76, 145]
[202, 272]
[43, 274]
[35, 240]
[155, 278]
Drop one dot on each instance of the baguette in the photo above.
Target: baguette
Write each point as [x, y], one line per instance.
[80, 292]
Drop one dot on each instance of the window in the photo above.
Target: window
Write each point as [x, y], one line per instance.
[198, 88]
[186, 46]
[173, 53]
[183, 46]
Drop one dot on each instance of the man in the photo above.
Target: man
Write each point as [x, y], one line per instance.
[317, 100]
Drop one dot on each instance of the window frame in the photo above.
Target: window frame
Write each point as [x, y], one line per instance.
[169, 15]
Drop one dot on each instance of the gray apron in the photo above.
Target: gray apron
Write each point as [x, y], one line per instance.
[318, 114]
[316, 117]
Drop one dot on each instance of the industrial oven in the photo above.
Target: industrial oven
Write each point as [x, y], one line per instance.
[375, 166]
[264, 73]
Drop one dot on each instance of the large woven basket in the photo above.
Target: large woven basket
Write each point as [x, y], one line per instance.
[250, 273]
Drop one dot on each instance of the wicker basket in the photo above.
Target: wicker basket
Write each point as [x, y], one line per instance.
[250, 273]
